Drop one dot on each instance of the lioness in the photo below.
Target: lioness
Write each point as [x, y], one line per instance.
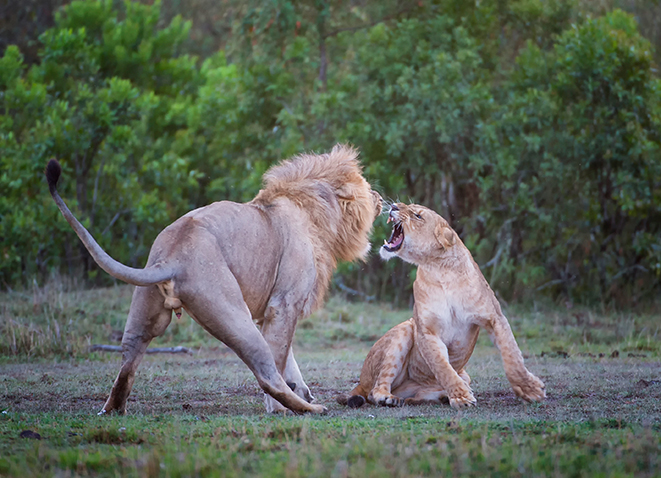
[226, 264]
[423, 358]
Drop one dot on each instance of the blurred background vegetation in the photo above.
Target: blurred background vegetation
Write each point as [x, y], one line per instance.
[533, 126]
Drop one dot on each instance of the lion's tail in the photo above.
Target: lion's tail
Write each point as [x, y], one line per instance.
[148, 276]
[356, 399]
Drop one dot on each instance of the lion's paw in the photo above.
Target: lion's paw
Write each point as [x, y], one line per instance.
[302, 390]
[462, 398]
[531, 390]
[318, 409]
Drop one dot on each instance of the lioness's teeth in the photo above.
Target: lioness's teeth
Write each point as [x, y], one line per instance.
[385, 242]
[389, 219]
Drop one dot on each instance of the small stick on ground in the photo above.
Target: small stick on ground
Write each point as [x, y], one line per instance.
[155, 350]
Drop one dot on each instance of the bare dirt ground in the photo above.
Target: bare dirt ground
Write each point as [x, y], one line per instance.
[215, 382]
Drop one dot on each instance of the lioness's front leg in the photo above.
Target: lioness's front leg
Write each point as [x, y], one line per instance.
[435, 354]
[524, 383]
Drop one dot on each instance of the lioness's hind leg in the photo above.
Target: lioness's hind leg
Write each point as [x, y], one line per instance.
[391, 370]
[147, 319]
[427, 395]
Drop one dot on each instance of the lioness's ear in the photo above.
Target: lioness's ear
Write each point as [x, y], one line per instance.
[445, 236]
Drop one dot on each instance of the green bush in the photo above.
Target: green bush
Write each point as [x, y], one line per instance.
[570, 171]
[532, 128]
[106, 95]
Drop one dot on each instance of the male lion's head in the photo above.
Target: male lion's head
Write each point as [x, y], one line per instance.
[331, 190]
[418, 234]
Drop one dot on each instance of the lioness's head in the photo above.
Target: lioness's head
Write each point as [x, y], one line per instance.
[418, 234]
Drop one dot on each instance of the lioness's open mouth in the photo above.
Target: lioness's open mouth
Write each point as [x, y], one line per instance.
[396, 238]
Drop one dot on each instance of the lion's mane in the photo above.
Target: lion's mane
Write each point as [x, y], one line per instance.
[337, 200]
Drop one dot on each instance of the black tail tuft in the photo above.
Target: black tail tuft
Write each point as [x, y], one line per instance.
[53, 171]
[356, 401]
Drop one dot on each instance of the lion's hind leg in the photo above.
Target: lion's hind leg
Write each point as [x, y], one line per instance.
[295, 380]
[217, 304]
[148, 318]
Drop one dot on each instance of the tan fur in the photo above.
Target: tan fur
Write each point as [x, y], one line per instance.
[423, 359]
[228, 264]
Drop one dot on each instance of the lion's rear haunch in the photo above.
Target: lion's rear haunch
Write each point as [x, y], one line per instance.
[53, 172]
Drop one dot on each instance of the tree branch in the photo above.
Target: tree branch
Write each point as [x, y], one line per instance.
[155, 350]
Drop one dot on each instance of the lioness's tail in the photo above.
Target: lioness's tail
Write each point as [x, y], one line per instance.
[148, 276]
[355, 399]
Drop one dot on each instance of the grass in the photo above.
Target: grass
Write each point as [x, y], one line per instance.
[202, 414]
[186, 445]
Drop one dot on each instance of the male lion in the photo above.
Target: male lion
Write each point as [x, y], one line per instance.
[422, 359]
[269, 260]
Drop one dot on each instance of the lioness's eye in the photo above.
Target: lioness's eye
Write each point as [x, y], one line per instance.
[417, 215]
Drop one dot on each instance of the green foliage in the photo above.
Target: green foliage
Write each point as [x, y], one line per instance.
[573, 164]
[105, 96]
[530, 126]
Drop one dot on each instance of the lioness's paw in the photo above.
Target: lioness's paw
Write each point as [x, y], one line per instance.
[462, 398]
[385, 399]
[531, 390]
[391, 401]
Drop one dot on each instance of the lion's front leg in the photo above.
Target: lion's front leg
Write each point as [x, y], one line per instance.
[278, 330]
[294, 378]
[295, 381]
[524, 383]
